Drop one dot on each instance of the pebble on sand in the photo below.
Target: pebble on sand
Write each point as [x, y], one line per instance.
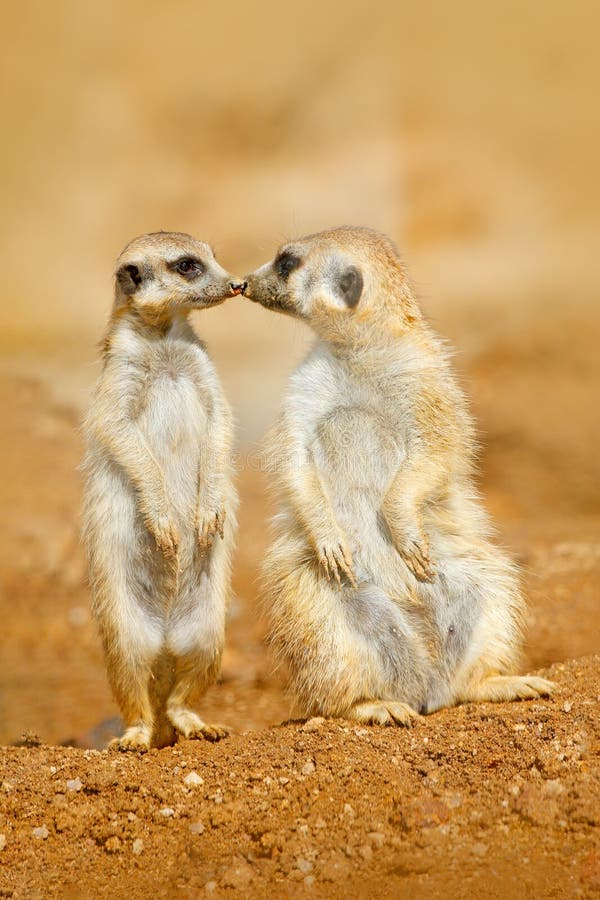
[193, 779]
[74, 784]
[41, 833]
[137, 846]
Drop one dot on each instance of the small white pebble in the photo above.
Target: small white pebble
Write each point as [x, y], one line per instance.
[2, 841]
[308, 768]
[284, 780]
[53, 770]
[197, 828]
[41, 833]
[568, 706]
[137, 846]
[74, 784]
[304, 865]
[309, 880]
[193, 779]
[167, 811]
[210, 886]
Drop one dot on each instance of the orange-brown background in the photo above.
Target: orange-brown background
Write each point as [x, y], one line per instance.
[468, 131]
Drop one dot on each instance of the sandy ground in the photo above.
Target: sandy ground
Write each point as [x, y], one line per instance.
[479, 801]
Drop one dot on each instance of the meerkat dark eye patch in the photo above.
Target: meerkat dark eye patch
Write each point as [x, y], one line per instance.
[286, 263]
[188, 266]
[129, 278]
[351, 286]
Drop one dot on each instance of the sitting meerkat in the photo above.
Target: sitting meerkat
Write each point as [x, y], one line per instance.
[159, 505]
[386, 596]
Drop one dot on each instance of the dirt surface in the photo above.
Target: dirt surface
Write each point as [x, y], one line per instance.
[479, 801]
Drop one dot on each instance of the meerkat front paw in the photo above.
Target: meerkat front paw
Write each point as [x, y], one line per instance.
[415, 553]
[383, 712]
[135, 739]
[336, 561]
[208, 525]
[190, 726]
[164, 531]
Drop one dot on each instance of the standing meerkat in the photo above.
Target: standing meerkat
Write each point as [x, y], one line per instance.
[386, 596]
[159, 506]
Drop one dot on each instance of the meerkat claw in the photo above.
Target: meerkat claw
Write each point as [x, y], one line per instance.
[209, 526]
[337, 563]
[416, 557]
[348, 565]
[135, 740]
[166, 536]
[191, 727]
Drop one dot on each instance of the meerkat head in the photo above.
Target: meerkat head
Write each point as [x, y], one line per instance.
[339, 281]
[163, 273]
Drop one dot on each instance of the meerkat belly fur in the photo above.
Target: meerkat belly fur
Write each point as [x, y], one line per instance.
[159, 510]
[386, 595]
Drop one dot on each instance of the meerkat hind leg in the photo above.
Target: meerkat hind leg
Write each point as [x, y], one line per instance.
[185, 721]
[503, 688]
[130, 683]
[382, 712]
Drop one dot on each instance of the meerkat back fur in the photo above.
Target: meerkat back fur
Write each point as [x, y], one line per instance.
[386, 595]
[159, 501]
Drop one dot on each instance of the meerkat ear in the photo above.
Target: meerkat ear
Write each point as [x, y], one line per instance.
[351, 286]
[129, 279]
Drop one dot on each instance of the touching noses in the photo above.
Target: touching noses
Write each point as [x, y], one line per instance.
[237, 287]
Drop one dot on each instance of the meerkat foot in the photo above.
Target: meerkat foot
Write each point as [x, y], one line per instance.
[190, 726]
[503, 688]
[136, 739]
[416, 556]
[383, 712]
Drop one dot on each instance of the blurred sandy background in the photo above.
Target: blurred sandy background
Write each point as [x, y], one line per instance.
[468, 131]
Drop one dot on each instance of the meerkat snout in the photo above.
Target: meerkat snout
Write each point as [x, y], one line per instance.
[237, 287]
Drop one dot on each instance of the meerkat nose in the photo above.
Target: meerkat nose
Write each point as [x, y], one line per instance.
[238, 287]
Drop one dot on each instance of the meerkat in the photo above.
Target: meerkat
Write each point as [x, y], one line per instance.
[386, 596]
[159, 502]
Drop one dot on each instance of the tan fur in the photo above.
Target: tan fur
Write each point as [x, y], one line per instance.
[385, 592]
[159, 506]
